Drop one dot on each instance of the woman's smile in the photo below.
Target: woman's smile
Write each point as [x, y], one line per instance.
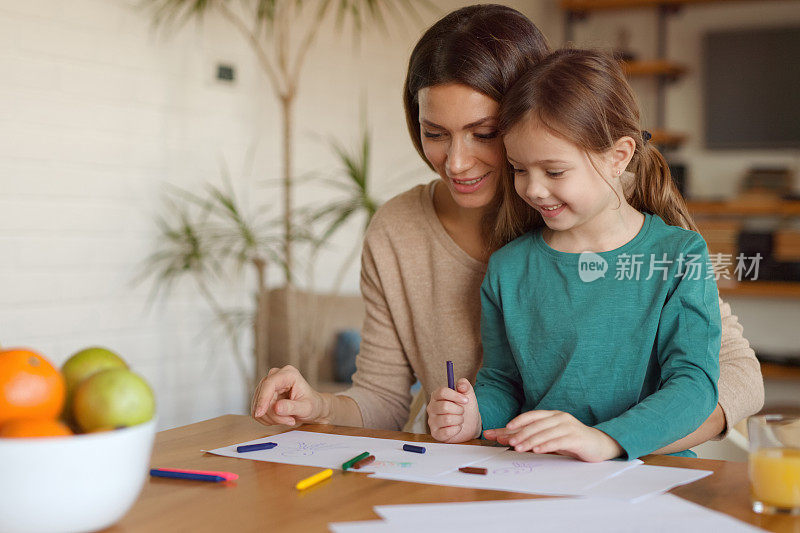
[469, 185]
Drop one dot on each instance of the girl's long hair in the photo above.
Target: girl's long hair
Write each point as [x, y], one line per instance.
[582, 96]
[485, 47]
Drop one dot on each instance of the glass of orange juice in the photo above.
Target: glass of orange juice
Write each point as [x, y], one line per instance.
[774, 463]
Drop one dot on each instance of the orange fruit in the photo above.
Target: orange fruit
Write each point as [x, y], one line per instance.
[30, 386]
[34, 427]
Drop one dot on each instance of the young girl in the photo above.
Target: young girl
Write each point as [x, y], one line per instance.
[600, 327]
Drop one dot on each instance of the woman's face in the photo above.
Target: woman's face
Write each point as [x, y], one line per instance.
[458, 126]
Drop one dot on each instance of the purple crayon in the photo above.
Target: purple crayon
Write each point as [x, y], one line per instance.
[451, 379]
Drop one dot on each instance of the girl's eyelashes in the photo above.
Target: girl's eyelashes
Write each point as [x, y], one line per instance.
[550, 173]
[431, 135]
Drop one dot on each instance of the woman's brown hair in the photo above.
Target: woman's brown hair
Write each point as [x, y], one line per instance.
[582, 96]
[485, 47]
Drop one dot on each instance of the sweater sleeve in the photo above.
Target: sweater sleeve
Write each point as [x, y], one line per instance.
[741, 387]
[383, 377]
[498, 385]
[687, 345]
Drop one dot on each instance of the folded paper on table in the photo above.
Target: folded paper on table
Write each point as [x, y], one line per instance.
[645, 481]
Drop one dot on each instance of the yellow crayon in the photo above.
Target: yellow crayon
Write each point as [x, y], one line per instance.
[313, 480]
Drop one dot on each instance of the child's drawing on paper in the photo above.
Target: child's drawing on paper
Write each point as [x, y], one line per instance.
[302, 449]
[518, 467]
[391, 464]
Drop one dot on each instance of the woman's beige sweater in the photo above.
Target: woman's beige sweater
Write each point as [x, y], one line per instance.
[422, 296]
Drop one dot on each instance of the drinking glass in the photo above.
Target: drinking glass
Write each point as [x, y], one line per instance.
[774, 463]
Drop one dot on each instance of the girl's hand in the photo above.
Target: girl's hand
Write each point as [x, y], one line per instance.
[556, 432]
[285, 397]
[453, 415]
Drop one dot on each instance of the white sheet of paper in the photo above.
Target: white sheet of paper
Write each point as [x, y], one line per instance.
[327, 450]
[527, 472]
[664, 513]
[367, 526]
[645, 481]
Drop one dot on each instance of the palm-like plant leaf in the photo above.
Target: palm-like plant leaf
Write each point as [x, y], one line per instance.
[184, 250]
[360, 13]
[355, 168]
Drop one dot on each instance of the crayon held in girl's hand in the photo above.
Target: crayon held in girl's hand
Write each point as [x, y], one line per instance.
[451, 379]
[254, 447]
[313, 480]
[354, 460]
[412, 448]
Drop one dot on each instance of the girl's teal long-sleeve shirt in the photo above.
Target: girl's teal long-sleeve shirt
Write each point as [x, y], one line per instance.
[627, 341]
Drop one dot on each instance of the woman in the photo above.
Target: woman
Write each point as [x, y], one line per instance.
[426, 250]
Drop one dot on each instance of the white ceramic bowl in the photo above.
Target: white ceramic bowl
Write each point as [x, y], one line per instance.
[78, 483]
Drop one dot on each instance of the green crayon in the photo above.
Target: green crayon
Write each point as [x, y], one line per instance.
[354, 460]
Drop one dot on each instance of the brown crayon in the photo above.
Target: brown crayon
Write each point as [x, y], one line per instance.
[364, 462]
[473, 470]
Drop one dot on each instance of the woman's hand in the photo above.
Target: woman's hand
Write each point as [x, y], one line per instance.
[285, 397]
[453, 415]
[556, 432]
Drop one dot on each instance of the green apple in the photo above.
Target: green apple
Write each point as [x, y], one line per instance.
[83, 364]
[113, 398]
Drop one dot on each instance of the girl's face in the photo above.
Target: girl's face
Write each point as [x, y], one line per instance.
[458, 126]
[557, 178]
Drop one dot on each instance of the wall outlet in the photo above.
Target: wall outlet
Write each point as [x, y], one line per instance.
[226, 72]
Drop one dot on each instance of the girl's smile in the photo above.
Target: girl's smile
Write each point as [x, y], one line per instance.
[551, 211]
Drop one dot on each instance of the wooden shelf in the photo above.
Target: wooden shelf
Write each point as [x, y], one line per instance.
[667, 138]
[733, 208]
[760, 289]
[603, 5]
[656, 67]
[775, 371]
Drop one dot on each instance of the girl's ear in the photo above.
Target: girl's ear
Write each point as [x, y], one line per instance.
[621, 154]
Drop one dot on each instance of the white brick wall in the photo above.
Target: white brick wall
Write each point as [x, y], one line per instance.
[97, 112]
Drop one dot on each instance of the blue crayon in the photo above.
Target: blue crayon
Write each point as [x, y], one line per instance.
[254, 447]
[155, 472]
[451, 379]
[412, 448]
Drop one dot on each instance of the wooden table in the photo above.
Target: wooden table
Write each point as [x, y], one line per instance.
[264, 497]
